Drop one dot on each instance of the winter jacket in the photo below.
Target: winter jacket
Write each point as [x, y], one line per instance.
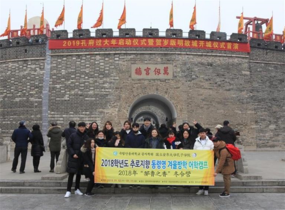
[163, 132]
[37, 143]
[145, 133]
[21, 136]
[135, 140]
[87, 160]
[186, 144]
[124, 134]
[149, 142]
[199, 146]
[112, 142]
[67, 133]
[54, 133]
[109, 134]
[226, 134]
[193, 132]
[173, 145]
[225, 162]
[101, 142]
[74, 145]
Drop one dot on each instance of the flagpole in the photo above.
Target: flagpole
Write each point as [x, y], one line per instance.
[64, 14]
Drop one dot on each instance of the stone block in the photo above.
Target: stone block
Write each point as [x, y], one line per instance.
[150, 32]
[5, 43]
[259, 43]
[81, 33]
[197, 34]
[218, 35]
[38, 39]
[20, 41]
[274, 45]
[127, 32]
[174, 33]
[59, 34]
[3, 153]
[238, 37]
[104, 33]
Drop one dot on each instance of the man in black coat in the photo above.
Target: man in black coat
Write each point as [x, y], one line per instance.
[74, 165]
[146, 128]
[21, 137]
[135, 139]
[68, 131]
[226, 133]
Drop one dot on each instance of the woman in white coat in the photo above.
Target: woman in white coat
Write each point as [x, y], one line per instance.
[203, 143]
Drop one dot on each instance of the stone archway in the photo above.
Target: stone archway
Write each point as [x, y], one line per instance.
[158, 108]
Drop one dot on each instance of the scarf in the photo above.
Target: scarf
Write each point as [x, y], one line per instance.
[170, 140]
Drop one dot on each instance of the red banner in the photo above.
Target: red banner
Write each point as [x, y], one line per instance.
[147, 43]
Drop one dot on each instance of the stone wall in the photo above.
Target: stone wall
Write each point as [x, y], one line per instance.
[96, 85]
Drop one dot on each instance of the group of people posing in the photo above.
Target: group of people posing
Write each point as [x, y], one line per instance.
[82, 142]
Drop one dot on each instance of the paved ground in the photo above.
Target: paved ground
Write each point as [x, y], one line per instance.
[269, 165]
[144, 201]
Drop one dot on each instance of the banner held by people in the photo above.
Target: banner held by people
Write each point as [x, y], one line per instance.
[154, 167]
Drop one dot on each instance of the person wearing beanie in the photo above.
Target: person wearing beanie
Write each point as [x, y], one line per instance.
[37, 147]
[203, 143]
[74, 164]
[21, 137]
[225, 165]
[146, 128]
[54, 133]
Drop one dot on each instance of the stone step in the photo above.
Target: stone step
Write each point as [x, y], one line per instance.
[142, 190]
[43, 183]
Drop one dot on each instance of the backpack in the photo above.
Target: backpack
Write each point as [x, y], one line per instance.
[234, 151]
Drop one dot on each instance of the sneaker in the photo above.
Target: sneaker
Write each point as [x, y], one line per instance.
[78, 192]
[14, 170]
[113, 186]
[51, 171]
[119, 186]
[206, 192]
[37, 171]
[139, 187]
[89, 194]
[200, 192]
[67, 194]
[224, 195]
[101, 186]
[131, 186]
[22, 172]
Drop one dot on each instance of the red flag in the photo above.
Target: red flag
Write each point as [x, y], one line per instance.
[42, 25]
[193, 19]
[240, 24]
[60, 19]
[269, 29]
[24, 29]
[100, 19]
[122, 20]
[80, 18]
[171, 16]
[7, 31]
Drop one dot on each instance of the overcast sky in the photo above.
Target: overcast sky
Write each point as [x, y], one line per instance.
[146, 13]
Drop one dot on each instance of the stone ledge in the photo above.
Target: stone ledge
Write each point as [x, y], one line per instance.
[53, 177]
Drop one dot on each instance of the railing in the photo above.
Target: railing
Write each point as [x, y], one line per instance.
[30, 32]
[260, 35]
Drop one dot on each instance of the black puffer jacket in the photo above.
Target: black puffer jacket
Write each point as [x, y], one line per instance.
[226, 134]
[37, 142]
[109, 134]
[75, 142]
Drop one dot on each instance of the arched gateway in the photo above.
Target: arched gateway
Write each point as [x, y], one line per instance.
[155, 106]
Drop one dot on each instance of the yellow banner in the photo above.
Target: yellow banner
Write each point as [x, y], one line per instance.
[154, 166]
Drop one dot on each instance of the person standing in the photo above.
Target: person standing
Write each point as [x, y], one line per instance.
[37, 147]
[155, 141]
[54, 133]
[146, 128]
[108, 130]
[74, 165]
[203, 143]
[186, 141]
[21, 137]
[135, 139]
[88, 154]
[227, 133]
[93, 130]
[126, 129]
[68, 131]
[225, 165]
